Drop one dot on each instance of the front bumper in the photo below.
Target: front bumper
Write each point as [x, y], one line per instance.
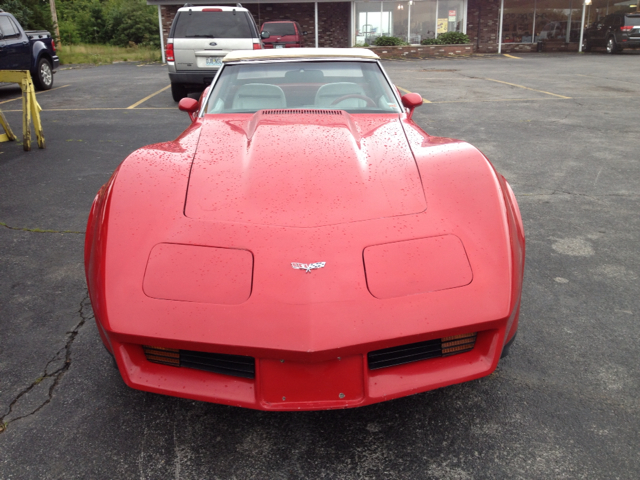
[284, 380]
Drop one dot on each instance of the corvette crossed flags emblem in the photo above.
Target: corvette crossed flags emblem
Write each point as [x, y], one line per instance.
[308, 266]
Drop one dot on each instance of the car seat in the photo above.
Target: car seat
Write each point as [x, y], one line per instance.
[259, 96]
[330, 92]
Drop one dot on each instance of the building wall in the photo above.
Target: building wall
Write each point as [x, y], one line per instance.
[333, 20]
[483, 18]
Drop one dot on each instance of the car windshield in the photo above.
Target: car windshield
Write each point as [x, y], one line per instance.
[279, 29]
[354, 86]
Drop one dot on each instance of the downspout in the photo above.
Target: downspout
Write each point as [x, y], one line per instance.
[164, 60]
[478, 35]
[316, 22]
[500, 26]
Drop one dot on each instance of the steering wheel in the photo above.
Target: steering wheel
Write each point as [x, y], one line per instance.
[370, 102]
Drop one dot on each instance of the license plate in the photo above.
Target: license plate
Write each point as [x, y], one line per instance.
[214, 61]
[279, 46]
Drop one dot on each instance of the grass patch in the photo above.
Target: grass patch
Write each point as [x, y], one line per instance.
[101, 54]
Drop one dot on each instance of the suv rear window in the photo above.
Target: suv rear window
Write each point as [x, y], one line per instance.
[212, 25]
[632, 19]
[279, 29]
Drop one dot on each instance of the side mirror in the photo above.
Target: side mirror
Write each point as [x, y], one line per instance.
[304, 33]
[410, 101]
[264, 35]
[189, 105]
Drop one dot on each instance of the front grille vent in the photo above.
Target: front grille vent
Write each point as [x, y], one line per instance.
[302, 111]
[414, 352]
[234, 365]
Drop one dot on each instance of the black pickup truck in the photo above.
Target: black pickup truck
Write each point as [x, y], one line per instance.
[32, 50]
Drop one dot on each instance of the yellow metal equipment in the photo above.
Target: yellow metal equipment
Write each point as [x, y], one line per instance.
[30, 109]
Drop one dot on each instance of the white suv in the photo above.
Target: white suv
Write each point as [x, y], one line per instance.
[199, 39]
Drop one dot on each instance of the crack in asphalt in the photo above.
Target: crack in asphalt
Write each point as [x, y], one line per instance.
[57, 374]
[37, 230]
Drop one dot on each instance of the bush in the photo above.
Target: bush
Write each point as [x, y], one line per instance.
[69, 33]
[430, 41]
[453, 38]
[389, 42]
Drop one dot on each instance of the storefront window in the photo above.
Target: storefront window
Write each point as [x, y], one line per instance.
[527, 21]
[399, 15]
[412, 21]
[450, 16]
[554, 16]
[372, 21]
[423, 20]
[517, 23]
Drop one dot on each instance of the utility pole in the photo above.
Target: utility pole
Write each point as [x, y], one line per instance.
[54, 17]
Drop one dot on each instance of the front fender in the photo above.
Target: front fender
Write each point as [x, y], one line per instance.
[463, 185]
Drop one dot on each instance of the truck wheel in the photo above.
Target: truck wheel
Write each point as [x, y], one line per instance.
[178, 91]
[586, 45]
[43, 77]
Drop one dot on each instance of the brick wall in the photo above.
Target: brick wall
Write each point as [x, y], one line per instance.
[333, 20]
[333, 24]
[483, 17]
[168, 13]
[423, 51]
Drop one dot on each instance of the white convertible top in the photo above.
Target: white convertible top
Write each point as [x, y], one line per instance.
[302, 53]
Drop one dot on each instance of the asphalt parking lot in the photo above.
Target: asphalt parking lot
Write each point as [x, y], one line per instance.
[562, 128]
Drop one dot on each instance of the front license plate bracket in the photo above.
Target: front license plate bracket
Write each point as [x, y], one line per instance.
[289, 384]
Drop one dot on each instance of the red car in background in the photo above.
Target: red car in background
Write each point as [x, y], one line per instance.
[283, 34]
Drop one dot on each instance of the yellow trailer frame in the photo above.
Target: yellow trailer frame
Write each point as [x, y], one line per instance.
[30, 109]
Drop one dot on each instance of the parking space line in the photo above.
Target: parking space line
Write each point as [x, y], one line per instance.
[526, 88]
[37, 93]
[511, 56]
[147, 98]
[407, 91]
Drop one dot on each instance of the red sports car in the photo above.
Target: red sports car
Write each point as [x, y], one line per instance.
[304, 244]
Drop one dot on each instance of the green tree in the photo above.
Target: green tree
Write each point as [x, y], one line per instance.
[32, 14]
[133, 22]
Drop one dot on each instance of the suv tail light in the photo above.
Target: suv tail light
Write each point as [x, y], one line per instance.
[628, 28]
[257, 46]
[211, 9]
[53, 45]
[169, 52]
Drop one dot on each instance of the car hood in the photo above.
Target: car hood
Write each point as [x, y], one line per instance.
[303, 168]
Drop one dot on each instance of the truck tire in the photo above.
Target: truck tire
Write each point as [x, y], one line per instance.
[178, 91]
[43, 76]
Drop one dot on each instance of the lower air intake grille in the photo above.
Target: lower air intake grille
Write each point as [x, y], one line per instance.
[234, 365]
[414, 352]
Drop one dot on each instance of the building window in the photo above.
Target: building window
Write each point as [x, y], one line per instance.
[525, 21]
[412, 21]
[450, 16]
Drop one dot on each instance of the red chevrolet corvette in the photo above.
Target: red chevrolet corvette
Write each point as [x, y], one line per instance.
[304, 244]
